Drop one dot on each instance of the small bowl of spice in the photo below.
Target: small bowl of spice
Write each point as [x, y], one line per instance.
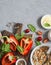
[21, 61]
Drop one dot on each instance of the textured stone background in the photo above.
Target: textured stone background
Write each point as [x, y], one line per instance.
[26, 11]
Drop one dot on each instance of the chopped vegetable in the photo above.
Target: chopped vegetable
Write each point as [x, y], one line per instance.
[8, 59]
[12, 41]
[18, 37]
[31, 27]
[26, 44]
[4, 48]
[47, 25]
[38, 43]
[5, 37]
[19, 48]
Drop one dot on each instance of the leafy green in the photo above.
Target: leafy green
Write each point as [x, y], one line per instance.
[46, 24]
[18, 37]
[31, 27]
[4, 48]
[38, 43]
[19, 48]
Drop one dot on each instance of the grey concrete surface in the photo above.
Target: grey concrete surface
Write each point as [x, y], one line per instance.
[24, 11]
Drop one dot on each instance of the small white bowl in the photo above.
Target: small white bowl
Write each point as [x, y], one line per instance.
[49, 45]
[42, 19]
[21, 59]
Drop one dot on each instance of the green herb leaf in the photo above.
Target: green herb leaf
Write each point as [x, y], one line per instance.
[4, 48]
[7, 48]
[38, 43]
[46, 25]
[18, 37]
[19, 48]
[31, 27]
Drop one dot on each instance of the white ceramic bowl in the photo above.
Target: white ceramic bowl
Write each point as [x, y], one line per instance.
[21, 59]
[49, 45]
[42, 19]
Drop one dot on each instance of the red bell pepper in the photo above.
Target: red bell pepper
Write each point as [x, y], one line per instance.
[8, 59]
[13, 39]
[13, 42]
[26, 44]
